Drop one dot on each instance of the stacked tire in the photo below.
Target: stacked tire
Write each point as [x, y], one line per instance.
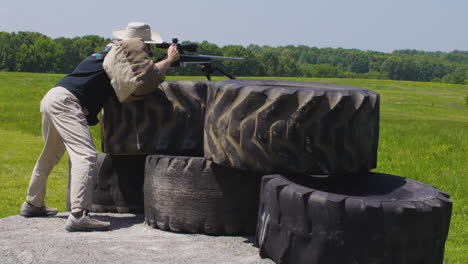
[117, 183]
[376, 218]
[195, 195]
[183, 192]
[312, 146]
[168, 121]
[292, 127]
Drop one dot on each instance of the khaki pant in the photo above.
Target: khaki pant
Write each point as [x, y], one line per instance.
[64, 126]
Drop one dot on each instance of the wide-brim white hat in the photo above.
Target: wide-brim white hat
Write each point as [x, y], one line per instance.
[138, 30]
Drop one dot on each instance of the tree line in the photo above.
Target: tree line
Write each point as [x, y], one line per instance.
[35, 52]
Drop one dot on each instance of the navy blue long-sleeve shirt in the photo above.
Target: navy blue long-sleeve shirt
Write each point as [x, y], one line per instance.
[90, 84]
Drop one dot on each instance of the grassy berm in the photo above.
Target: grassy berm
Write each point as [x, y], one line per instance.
[423, 136]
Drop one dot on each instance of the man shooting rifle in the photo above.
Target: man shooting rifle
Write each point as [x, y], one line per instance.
[75, 102]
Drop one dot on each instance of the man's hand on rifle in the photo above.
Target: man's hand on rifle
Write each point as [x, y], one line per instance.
[171, 57]
[173, 53]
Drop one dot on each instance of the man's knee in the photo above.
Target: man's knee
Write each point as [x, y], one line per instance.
[91, 158]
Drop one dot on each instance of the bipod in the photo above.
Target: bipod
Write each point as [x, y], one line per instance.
[208, 69]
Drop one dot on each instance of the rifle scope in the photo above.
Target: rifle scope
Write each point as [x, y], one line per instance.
[190, 47]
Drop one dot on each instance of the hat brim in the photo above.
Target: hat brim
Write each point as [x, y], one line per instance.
[123, 34]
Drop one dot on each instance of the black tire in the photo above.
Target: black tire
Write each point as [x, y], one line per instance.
[169, 121]
[193, 195]
[292, 127]
[117, 184]
[377, 219]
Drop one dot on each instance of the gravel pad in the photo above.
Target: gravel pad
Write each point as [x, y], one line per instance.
[45, 240]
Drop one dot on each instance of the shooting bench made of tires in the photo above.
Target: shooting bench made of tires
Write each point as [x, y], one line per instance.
[197, 152]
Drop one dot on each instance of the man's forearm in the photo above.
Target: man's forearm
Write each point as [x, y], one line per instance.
[163, 66]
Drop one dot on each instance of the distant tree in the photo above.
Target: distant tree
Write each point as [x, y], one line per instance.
[254, 48]
[375, 63]
[324, 71]
[49, 56]
[70, 54]
[31, 51]
[457, 78]
[408, 52]
[209, 48]
[359, 64]
[11, 45]
[288, 66]
[308, 57]
[457, 56]
[41, 55]
[306, 70]
[400, 68]
[270, 62]
[7, 52]
[249, 66]
[89, 44]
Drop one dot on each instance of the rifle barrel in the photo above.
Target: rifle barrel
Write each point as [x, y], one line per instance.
[197, 57]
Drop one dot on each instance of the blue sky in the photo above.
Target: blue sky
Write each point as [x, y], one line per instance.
[362, 24]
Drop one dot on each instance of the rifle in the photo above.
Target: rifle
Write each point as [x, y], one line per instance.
[205, 60]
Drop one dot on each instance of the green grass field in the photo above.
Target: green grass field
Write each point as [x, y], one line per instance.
[423, 136]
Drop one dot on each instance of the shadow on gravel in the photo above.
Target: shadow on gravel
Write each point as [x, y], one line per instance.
[116, 222]
[249, 240]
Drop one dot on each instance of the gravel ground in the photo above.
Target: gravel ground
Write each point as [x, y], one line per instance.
[45, 240]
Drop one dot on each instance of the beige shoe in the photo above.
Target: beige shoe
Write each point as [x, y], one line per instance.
[29, 210]
[85, 223]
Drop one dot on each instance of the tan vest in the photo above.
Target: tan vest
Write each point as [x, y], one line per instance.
[132, 72]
